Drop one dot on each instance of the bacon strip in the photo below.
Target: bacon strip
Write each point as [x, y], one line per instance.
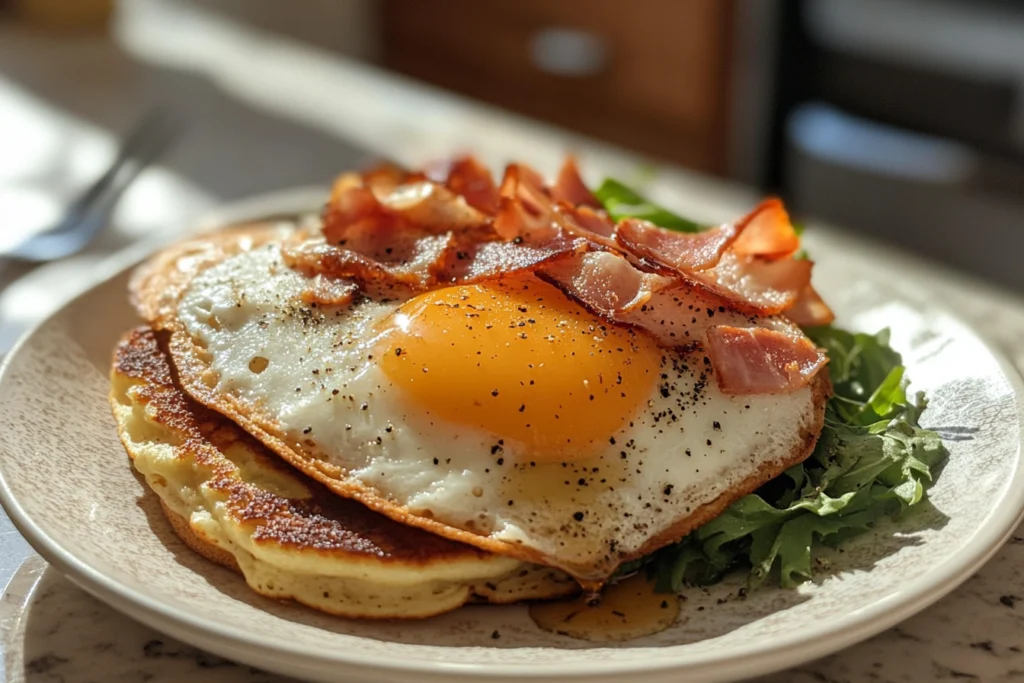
[360, 216]
[353, 209]
[525, 208]
[681, 251]
[604, 282]
[766, 232]
[431, 207]
[586, 224]
[386, 177]
[749, 266]
[416, 263]
[760, 361]
[525, 182]
[675, 313]
[427, 261]
[754, 285]
[810, 309]
[595, 221]
[570, 188]
[472, 180]
[328, 291]
[487, 260]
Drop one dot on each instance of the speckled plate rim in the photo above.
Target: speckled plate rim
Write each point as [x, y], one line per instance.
[235, 642]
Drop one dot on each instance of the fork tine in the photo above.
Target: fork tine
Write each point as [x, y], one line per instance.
[87, 214]
[156, 125]
[144, 152]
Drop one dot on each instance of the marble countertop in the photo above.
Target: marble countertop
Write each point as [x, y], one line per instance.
[321, 114]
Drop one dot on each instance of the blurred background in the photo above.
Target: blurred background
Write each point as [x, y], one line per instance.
[899, 119]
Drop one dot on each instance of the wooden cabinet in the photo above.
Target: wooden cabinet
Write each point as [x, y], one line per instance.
[652, 75]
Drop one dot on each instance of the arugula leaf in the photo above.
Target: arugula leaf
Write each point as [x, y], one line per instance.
[621, 201]
[872, 460]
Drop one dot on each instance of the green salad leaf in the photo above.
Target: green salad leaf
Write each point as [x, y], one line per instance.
[872, 460]
[621, 201]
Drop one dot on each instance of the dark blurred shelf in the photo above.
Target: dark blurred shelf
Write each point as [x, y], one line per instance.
[654, 78]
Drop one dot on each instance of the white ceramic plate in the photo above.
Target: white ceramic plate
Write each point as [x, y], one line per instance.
[66, 483]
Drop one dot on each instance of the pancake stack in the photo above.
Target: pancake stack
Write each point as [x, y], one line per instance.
[446, 392]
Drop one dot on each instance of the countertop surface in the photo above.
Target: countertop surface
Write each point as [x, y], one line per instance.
[267, 114]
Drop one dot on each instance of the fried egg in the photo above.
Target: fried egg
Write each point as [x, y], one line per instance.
[501, 414]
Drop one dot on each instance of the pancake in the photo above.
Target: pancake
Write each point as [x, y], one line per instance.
[239, 505]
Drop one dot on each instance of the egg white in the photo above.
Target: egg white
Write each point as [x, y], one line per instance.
[687, 445]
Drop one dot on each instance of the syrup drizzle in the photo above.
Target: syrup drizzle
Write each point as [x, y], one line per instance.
[623, 611]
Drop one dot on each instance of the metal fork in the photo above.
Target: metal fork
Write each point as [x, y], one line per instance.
[87, 214]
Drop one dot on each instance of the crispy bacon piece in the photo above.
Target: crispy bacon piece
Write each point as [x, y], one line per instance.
[674, 312]
[680, 251]
[604, 282]
[343, 183]
[584, 223]
[386, 177]
[515, 221]
[380, 180]
[525, 182]
[328, 291]
[754, 285]
[596, 221]
[472, 180]
[810, 309]
[766, 232]
[570, 188]
[749, 267]
[431, 207]
[487, 260]
[353, 210]
[414, 263]
[525, 208]
[361, 219]
[428, 261]
[760, 361]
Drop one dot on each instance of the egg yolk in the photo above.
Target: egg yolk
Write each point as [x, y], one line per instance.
[517, 358]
